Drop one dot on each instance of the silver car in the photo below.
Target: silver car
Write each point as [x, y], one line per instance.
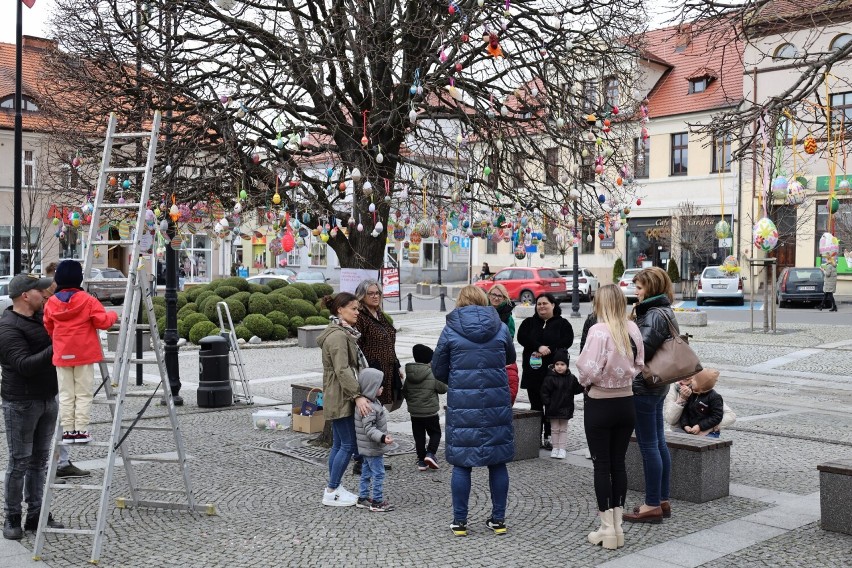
[108, 284]
[715, 284]
[626, 285]
[5, 300]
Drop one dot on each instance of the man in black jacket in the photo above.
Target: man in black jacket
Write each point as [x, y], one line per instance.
[28, 390]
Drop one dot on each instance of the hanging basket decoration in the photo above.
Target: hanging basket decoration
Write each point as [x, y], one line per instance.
[765, 235]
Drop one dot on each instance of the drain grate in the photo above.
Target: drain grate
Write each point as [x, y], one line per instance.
[297, 446]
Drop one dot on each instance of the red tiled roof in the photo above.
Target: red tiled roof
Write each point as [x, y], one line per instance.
[711, 53]
[33, 55]
[787, 15]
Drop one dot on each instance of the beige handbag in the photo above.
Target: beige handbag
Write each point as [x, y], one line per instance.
[673, 361]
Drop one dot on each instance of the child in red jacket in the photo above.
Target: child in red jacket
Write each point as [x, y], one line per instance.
[72, 318]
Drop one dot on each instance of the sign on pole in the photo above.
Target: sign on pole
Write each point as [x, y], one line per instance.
[390, 282]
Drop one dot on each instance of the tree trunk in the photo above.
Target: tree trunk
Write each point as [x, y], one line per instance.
[325, 439]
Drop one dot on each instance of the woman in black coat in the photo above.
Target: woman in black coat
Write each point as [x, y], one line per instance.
[540, 336]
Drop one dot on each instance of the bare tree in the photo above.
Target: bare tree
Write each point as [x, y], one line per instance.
[293, 97]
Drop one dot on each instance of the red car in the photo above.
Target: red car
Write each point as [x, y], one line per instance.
[525, 284]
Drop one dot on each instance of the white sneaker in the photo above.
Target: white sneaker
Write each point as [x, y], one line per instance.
[562, 454]
[587, 453]
[338, 499]
[554, 453]
[346, 494]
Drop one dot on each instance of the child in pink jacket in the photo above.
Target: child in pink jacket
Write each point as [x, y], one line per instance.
[72, 318]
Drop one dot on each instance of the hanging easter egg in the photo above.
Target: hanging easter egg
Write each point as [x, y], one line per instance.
[795, 193]
[276, 199]
[164, 226]
[638, 202]
[174, 212]
[619, 181]
[765, 235]
[243, 194]
[486, 171]
[722, 230]
[323, 237]
[255, 158]
[573, 195]
[843, 186]
[55, 221]
[810, 145]
[626, 211]
[585, 153]
[829, 245]
[601, 198]
[224, 222]
[730, 265]
[779, 187]
[126, 184]
[520, 252]
[380, 157]
[360, 227]
[372, 208]
[833, 205]
[77, 162]
[364, 140]
[367, 188]
[238, 208]
[589, 238]
[112, 181]
[560, 122]
[412, 116]
[168, 169]
[379, 227]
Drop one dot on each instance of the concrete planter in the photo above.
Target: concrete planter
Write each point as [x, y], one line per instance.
[521, 311]
[423, 289]
[691, 319]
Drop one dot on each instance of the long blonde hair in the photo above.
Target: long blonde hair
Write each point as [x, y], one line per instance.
[610, 308]
[471, 296]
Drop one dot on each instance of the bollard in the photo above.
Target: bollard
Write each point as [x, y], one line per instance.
[410, 307]
[443, 306]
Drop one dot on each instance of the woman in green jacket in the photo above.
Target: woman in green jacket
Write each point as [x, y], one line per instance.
[341, 361]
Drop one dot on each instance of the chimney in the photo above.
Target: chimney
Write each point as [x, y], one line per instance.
[38, 43]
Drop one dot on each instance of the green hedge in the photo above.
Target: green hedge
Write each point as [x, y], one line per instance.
[322, 290]
[208, 307]
[186, 324]
[279, 332]
[307, 291]
[295, 323]
[226, 291]
[275, 284]
[201, 330]
[304, 308]
[242, 297]
[316, 320]
[292, 292]
[242, 332]
[239, 283]
[259, 304]
[237, 309]
[190, 308]
[259, 325]
[278, 318]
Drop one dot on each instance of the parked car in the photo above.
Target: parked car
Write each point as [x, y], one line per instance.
[5, 300]
[288, 272]
[587, 282]
[312, 277]
[267, 278]
[525, 284]
[626, 285]
[715, 284]
[107, 284]
[800, 284]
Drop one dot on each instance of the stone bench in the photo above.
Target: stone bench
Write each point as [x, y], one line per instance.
[701, 467]
[527, 426]
[308, 335]
[835, 494]
[300, 395]
[695, 319]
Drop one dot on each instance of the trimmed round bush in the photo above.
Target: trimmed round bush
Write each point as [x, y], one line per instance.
[259, 325]
[325, 313]
[259, 288]
[203, 296]
[293, 293]
[242, 297]
[186, 324]
[275, 284]
[181, 300]
[277, 318]
[278, 301]
[322, 289]
[208, 307]
[304, 308]
[242, 332]
[226, 291]
[159, 311]
[161, 327]
[201, 330]
[237, 309]
[259, 304]
[159, 301]
[190, 308]
[279, 332]
[307, 291]
[295, 323]
[193, 293]
[239, 283]
[316, 320]
[287, 308]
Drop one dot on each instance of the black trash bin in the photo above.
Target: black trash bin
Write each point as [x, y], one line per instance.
[214, 380]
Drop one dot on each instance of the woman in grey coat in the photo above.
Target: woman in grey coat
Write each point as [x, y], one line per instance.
[829, 286]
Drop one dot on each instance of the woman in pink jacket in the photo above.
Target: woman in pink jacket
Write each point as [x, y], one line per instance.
[612, 356]
[72, 318]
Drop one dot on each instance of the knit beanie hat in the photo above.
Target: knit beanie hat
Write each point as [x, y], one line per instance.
[561, 355]
[422, 353]
[69, 274]
[705, 380]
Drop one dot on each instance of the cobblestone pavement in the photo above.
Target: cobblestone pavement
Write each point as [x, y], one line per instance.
[792, 393]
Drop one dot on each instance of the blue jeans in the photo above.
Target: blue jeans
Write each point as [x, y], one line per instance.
[373, 467]
[342, 448]
[29, 432]
[713, 434]
[498, 481]
[656, 461]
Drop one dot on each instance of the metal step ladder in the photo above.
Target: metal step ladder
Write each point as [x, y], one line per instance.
[239, 379]
[137, 291]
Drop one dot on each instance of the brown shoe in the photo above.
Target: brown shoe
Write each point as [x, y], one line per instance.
[667, 509]
[654, 516]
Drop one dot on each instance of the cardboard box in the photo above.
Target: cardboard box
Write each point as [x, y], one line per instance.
[271, 419]
[309, 424]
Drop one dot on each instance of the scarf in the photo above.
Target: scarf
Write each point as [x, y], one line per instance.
[362, 360]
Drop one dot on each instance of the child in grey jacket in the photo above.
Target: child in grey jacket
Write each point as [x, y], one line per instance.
[371, 434]
[421, 391]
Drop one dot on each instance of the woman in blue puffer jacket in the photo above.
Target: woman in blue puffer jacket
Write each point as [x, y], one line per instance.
[471, 357]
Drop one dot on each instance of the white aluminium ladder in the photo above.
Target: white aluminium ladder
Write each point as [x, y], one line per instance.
[239, 380]
[137, 291]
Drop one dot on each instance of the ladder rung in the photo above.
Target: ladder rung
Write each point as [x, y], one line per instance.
[161, 490]
[142, 326]
[131, 134]
[103, 401]
[136, 361]
[150, 428]
[69, 531]
[153, 459]
[131, 169]
[140, 394]
[113, 242]
[69, 486]
[96, 444]
[127, 205]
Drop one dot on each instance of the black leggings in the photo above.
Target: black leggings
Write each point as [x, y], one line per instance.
[420, 426]
[609, 423]
[534, 394]
[828, 301]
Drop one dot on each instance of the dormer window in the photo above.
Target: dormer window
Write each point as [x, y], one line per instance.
[785, 51]
[27, 104]
[700, 79]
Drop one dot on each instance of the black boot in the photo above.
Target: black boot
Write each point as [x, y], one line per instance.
[32, 522]
[12, 528]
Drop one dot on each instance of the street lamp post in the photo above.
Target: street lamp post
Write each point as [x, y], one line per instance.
[575, 293]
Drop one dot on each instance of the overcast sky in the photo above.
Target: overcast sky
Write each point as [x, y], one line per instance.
[34, 19]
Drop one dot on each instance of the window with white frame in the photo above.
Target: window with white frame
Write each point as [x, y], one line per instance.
[294, 257]
[29, 168]
[722, 153]
[319, 253]
[27, 104]
[196, 258]
[30, 255]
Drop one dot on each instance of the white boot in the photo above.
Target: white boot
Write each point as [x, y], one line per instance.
[617, 515]
[605, 535]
